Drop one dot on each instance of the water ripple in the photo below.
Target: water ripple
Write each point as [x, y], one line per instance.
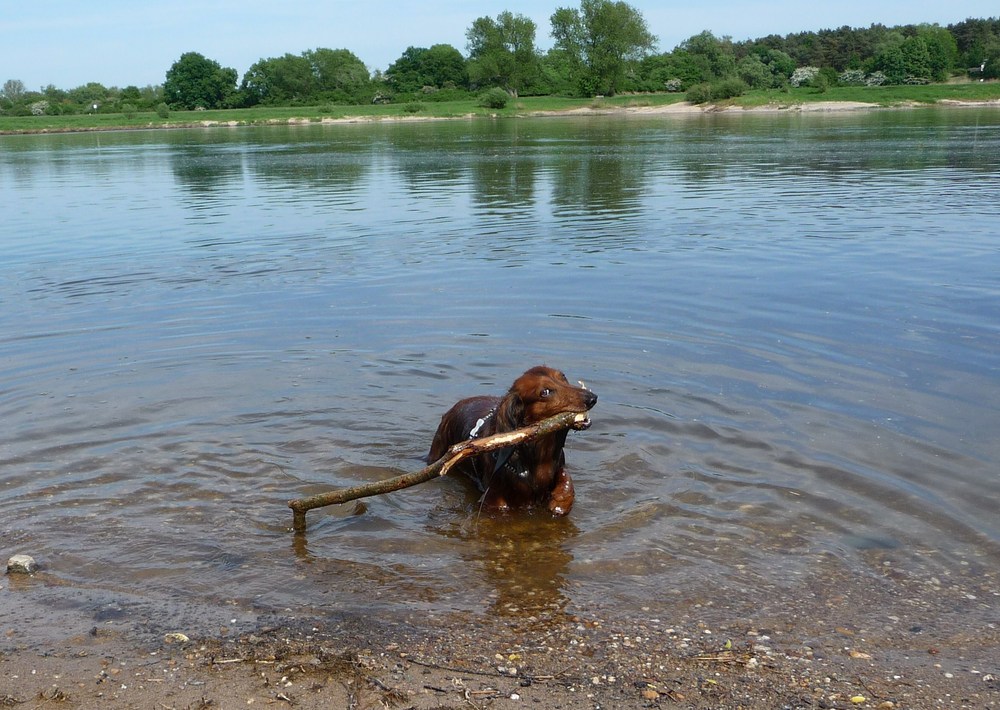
[790, 323]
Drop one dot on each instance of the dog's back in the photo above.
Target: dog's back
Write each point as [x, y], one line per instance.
[458, 423]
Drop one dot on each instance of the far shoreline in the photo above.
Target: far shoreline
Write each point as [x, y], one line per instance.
[687, 108]
[681, 108]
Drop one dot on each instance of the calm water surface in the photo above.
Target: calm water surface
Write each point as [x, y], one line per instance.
[791, 321]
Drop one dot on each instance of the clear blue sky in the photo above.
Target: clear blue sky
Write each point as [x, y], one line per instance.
[123, 42]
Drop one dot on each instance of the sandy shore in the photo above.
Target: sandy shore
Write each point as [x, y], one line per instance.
[685, 108]
[848, 641]
[675, 109]
[682, 108]
[317, 664]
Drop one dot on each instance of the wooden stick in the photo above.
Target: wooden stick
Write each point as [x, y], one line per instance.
[459, 451]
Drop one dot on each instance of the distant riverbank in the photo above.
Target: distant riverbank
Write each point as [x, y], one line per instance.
[685, 107]
[805, 100]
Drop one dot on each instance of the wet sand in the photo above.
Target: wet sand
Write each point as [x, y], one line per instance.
[888, 642]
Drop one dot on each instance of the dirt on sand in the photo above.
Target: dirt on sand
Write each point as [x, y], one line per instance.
[829, 643]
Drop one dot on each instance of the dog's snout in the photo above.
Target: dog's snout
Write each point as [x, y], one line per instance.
[590, 399]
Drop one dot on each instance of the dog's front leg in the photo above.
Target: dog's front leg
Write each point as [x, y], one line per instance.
[561, 498]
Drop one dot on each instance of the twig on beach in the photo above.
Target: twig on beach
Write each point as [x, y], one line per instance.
[461, 450]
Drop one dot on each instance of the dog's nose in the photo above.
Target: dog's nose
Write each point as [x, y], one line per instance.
[590, 399]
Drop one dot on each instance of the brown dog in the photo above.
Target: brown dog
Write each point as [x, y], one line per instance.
[532, 473]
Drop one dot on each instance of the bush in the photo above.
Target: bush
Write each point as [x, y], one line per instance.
[728, 89]
[829, 75]
[129, 110]
[876, 78]
[803, 76]
[451, 94]
[673, 85]
[414, 107]
[755, 73]
[162, 110]
[700, 93]
[852, 77]
[494, 98]
[719, 91]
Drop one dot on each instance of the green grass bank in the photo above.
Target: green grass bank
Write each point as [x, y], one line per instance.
[883, 96]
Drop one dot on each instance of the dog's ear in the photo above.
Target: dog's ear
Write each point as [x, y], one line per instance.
[510, 412]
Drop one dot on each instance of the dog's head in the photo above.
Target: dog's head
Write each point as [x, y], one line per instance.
[540, 393]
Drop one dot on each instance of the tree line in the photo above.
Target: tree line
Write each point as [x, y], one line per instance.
[602, 47]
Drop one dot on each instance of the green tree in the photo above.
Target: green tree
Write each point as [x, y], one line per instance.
[316, 75]
[278, 81]
[558, 73]
[714, 55]
[754, 72]
[13, 90]
[780, 64]
[194, 81]
[446, 67]
[974, 38]
[605, 40]
[406, 75]
[916, 58]
[255, 88]
[58, 99]
[339, 76]
[89, 95]
[130, 95]
[890, 59]
[152, 95]
[502, 51]
[439, 66]
[991, 57]
[689, 67]
[942, 50]
[706, 59]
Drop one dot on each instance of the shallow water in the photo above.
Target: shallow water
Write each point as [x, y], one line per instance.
[791, 321]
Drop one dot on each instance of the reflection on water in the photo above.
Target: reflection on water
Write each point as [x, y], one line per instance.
[791, 321]
[523, 560]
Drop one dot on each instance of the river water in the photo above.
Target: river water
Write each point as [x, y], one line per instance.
[791, 320]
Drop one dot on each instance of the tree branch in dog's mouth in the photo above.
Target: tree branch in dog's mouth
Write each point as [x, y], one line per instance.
[473, 447]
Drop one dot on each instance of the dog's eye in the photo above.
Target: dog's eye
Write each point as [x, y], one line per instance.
[545, 393]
